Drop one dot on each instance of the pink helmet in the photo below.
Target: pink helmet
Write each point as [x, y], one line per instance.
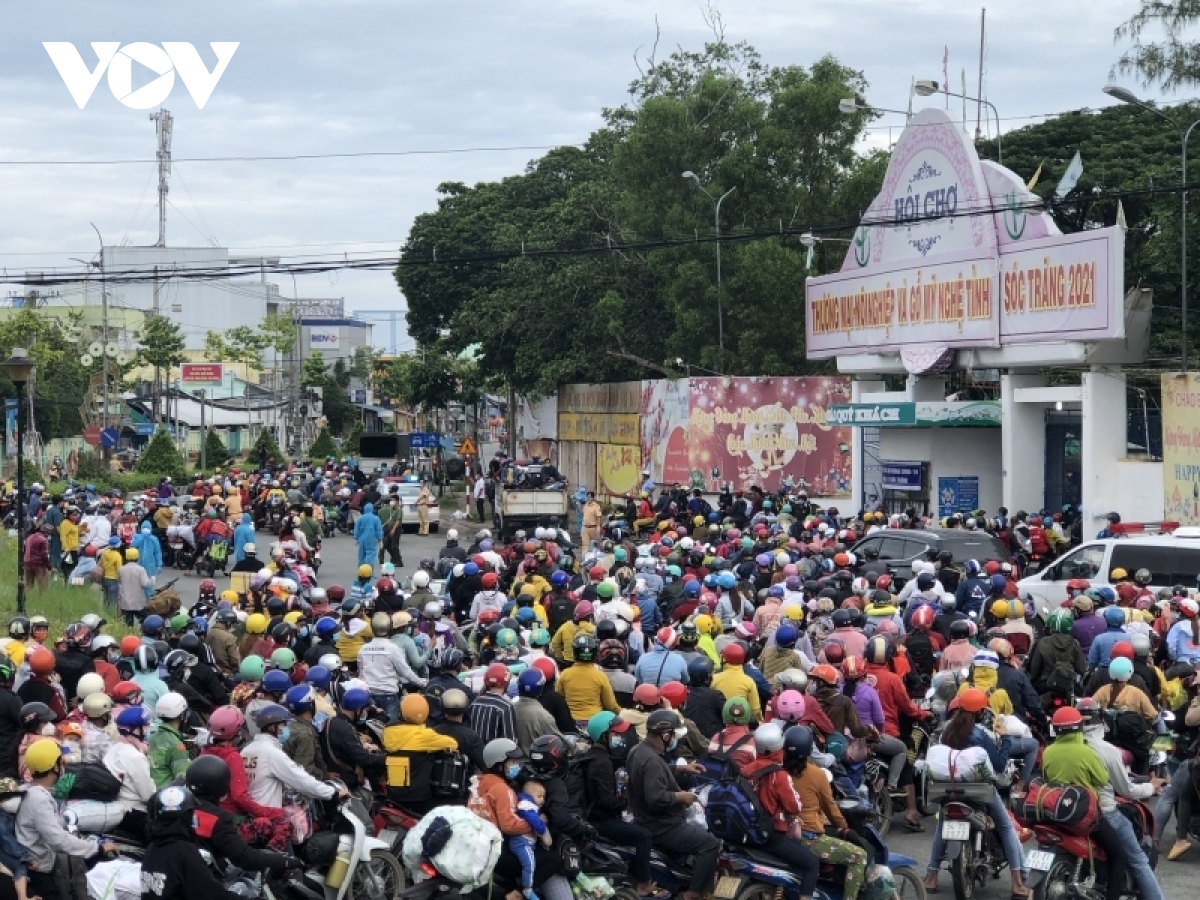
[747, 631]
[790, 705]
[790, 569]
[226, 722]
[1144, 601]
[667, 637]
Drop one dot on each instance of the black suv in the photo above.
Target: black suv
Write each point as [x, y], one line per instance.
[899, 547]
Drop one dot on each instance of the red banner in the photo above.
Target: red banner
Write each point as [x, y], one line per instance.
[201, 373]
[761, 431]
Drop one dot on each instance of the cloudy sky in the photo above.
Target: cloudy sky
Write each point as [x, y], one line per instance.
[342, 76]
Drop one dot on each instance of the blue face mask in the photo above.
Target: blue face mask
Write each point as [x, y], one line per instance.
[674, 743]
[513, 770]
[285, 734]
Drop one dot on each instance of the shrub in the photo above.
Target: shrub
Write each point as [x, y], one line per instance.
[161, 458]
[266, 441]
[215, 449]
[323, 446]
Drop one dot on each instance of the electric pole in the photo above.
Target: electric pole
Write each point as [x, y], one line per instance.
[163, 125]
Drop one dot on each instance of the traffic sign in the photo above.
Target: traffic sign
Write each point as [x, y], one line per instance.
[467, 448]
[91, 435]
[109, 437]
[423, 440]
[145, 429]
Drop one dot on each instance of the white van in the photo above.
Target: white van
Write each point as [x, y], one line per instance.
[1171, 558]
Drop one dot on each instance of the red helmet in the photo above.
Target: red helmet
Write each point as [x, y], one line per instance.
[41, 661]
[335, 594]
[841, 560]
[1066, 719]
[596, 573]
[226, 722]
[208, 588]
[479, 561]
[834, 653]
[1122, 649]
[546, 667]
[583, 610]
[647, 695]
[1078, 584]
[973, 700]
[853, 667]
[667, 637]
[675, 693]
[488, 616]
[825, 673]
[489, 581]
[922, 617]
[992, 567]
[883, 582]
[496, 675]
[126, 689]
[733, 654]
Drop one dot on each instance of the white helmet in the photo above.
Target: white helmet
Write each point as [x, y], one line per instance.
[452, 534]
[539, 534]
[97, 705]
[432, 610]
[860, 586]
[170, 706]
[768, 738]
[420, 579]
[483, 534]
[316, 595]
[330, 661]
[89, 684]
[686, 544]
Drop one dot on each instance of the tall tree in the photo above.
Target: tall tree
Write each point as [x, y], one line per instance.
[161, 345]
[1171, 63]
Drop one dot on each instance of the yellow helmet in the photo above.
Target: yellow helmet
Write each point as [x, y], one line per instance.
[401, 619]
[293, 617]
[365, 571]
[1000, 609]
[704, 624]
[230, 595]
[256, 624]
[1118, 574]
[794, 612]
[217, 489]
[131, 555]
[42, 756]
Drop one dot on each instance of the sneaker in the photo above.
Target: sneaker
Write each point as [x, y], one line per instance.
[1178, 849]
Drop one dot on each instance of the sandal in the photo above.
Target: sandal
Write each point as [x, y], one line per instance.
[914, 827]
[929, 888]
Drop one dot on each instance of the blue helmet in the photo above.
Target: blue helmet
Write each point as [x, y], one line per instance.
[972, 568]
[526, 615]
[691, 589]
[999, 584]
[560, 579]
[355, 699]
[530, 683]
[714, 517]
[318, 677]
[276, 682]
[1107, 594]
[470, 569]
[1114, 617]
[132, 717]
[727, 581]
[775, 590]
[710, 580]
[152, 624]
[326, 627]
[301, 699]
[786, 635]
[200, 625]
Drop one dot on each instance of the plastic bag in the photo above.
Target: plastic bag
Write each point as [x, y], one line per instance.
[118, 879]
[590, 887]
[880, 884]
[467, 856]
[96, 816]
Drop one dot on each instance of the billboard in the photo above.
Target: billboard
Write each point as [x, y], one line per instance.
[201, 373]
[955, 253]
[1181, 447]
[765, 431]
[618, 467]
[664, 425]
[324, 338]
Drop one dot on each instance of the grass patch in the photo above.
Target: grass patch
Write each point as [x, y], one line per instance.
[59, 603]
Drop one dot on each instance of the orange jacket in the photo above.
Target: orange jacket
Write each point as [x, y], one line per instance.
[491, 798]
[775, 790]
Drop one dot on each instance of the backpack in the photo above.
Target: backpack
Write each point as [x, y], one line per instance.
[1060, 679]
[920, 653]
[450, 776]
[561, 611]
[733, 811]
[1129, 729]
[576, 781]
[87, 781]
[1072, 807]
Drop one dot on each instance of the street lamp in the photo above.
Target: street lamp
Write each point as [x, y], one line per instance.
[851, 105]
[927, 88]
[691, 176]
[19, 367]
[687, 367]
[1127, 96]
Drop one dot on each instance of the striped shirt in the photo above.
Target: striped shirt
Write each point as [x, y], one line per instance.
[491, 716]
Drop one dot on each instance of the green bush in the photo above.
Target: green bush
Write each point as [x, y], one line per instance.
[89, 466]
[266, 441]
[350, 445]
[161, 458]
[30, 472]
[323, 446]
[215, 449]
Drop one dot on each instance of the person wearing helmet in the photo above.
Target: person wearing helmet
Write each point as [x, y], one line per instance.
[410, 744]
[660, 806]
[40, 686]
[222, 643]
[166, 751]
[704, 702]
[125, 757]
[562, 645]
[1100, 653]
[303, 742]
[584, 687]
[532, 718]
[973, 591]
[96, 708]
[973, 752]
[39, 825]
[132, 584]
[732, 681]
[454, 703]
[1125, 698]
[663, 663]
[73, 662]
[109, 561]
[1183, 640]
[272, 771]
[492, 713]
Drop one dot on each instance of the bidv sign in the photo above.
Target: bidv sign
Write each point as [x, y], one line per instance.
[117, 60]
[323, 338]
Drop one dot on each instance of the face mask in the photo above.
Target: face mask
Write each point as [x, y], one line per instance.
[11, 804]
[304, 632]
[674, 743]
[513, 770]
[285, 734]
[187, 673]
[617, 746]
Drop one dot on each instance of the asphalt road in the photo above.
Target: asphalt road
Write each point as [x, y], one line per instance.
[1178, 879]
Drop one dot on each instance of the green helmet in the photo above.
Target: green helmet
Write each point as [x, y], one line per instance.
[736, 711]
[506, 637]
[605, 590]
[598, 724]
[180, 622]
[539, 638]
[252, 668]
[1061, 621]
[284, 659]
[675, 571]
[583, 648]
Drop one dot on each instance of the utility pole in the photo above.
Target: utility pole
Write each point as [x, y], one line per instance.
[163, 126]
[103, 334]
[203, 434]
[979, 92]
[157, 374]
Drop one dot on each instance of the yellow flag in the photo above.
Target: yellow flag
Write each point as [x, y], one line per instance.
[1036, 176]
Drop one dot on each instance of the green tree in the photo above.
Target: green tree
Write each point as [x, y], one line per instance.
[350, 444]
[60, 381]
[323, 446]
[161, 458]
[315, 372]
[266, 441]
[1173, 62]
[160, 343]
[215, 450]
[240, 345]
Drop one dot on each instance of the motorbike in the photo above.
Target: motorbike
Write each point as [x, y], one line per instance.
[215, 557]
[1067, 865]
[348, 862]
[972, 844]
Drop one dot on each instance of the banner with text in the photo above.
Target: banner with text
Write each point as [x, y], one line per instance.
[619, 468]
[665, 407]
[1181, 447]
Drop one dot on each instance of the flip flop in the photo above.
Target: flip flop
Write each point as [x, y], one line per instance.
[914, 827]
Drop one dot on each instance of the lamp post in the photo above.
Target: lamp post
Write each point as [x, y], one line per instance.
[19, 367]
[927, 88]
[1127, 96]
[717, 201]
[687, 367]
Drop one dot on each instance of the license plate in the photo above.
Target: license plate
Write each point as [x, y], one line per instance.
[956, 831]
[728, 887]
[1039, 860]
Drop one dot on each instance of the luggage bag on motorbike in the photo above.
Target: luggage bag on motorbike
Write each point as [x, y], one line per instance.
[450, 776]
[462, 846]
[1071, 807]
[87, 781]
